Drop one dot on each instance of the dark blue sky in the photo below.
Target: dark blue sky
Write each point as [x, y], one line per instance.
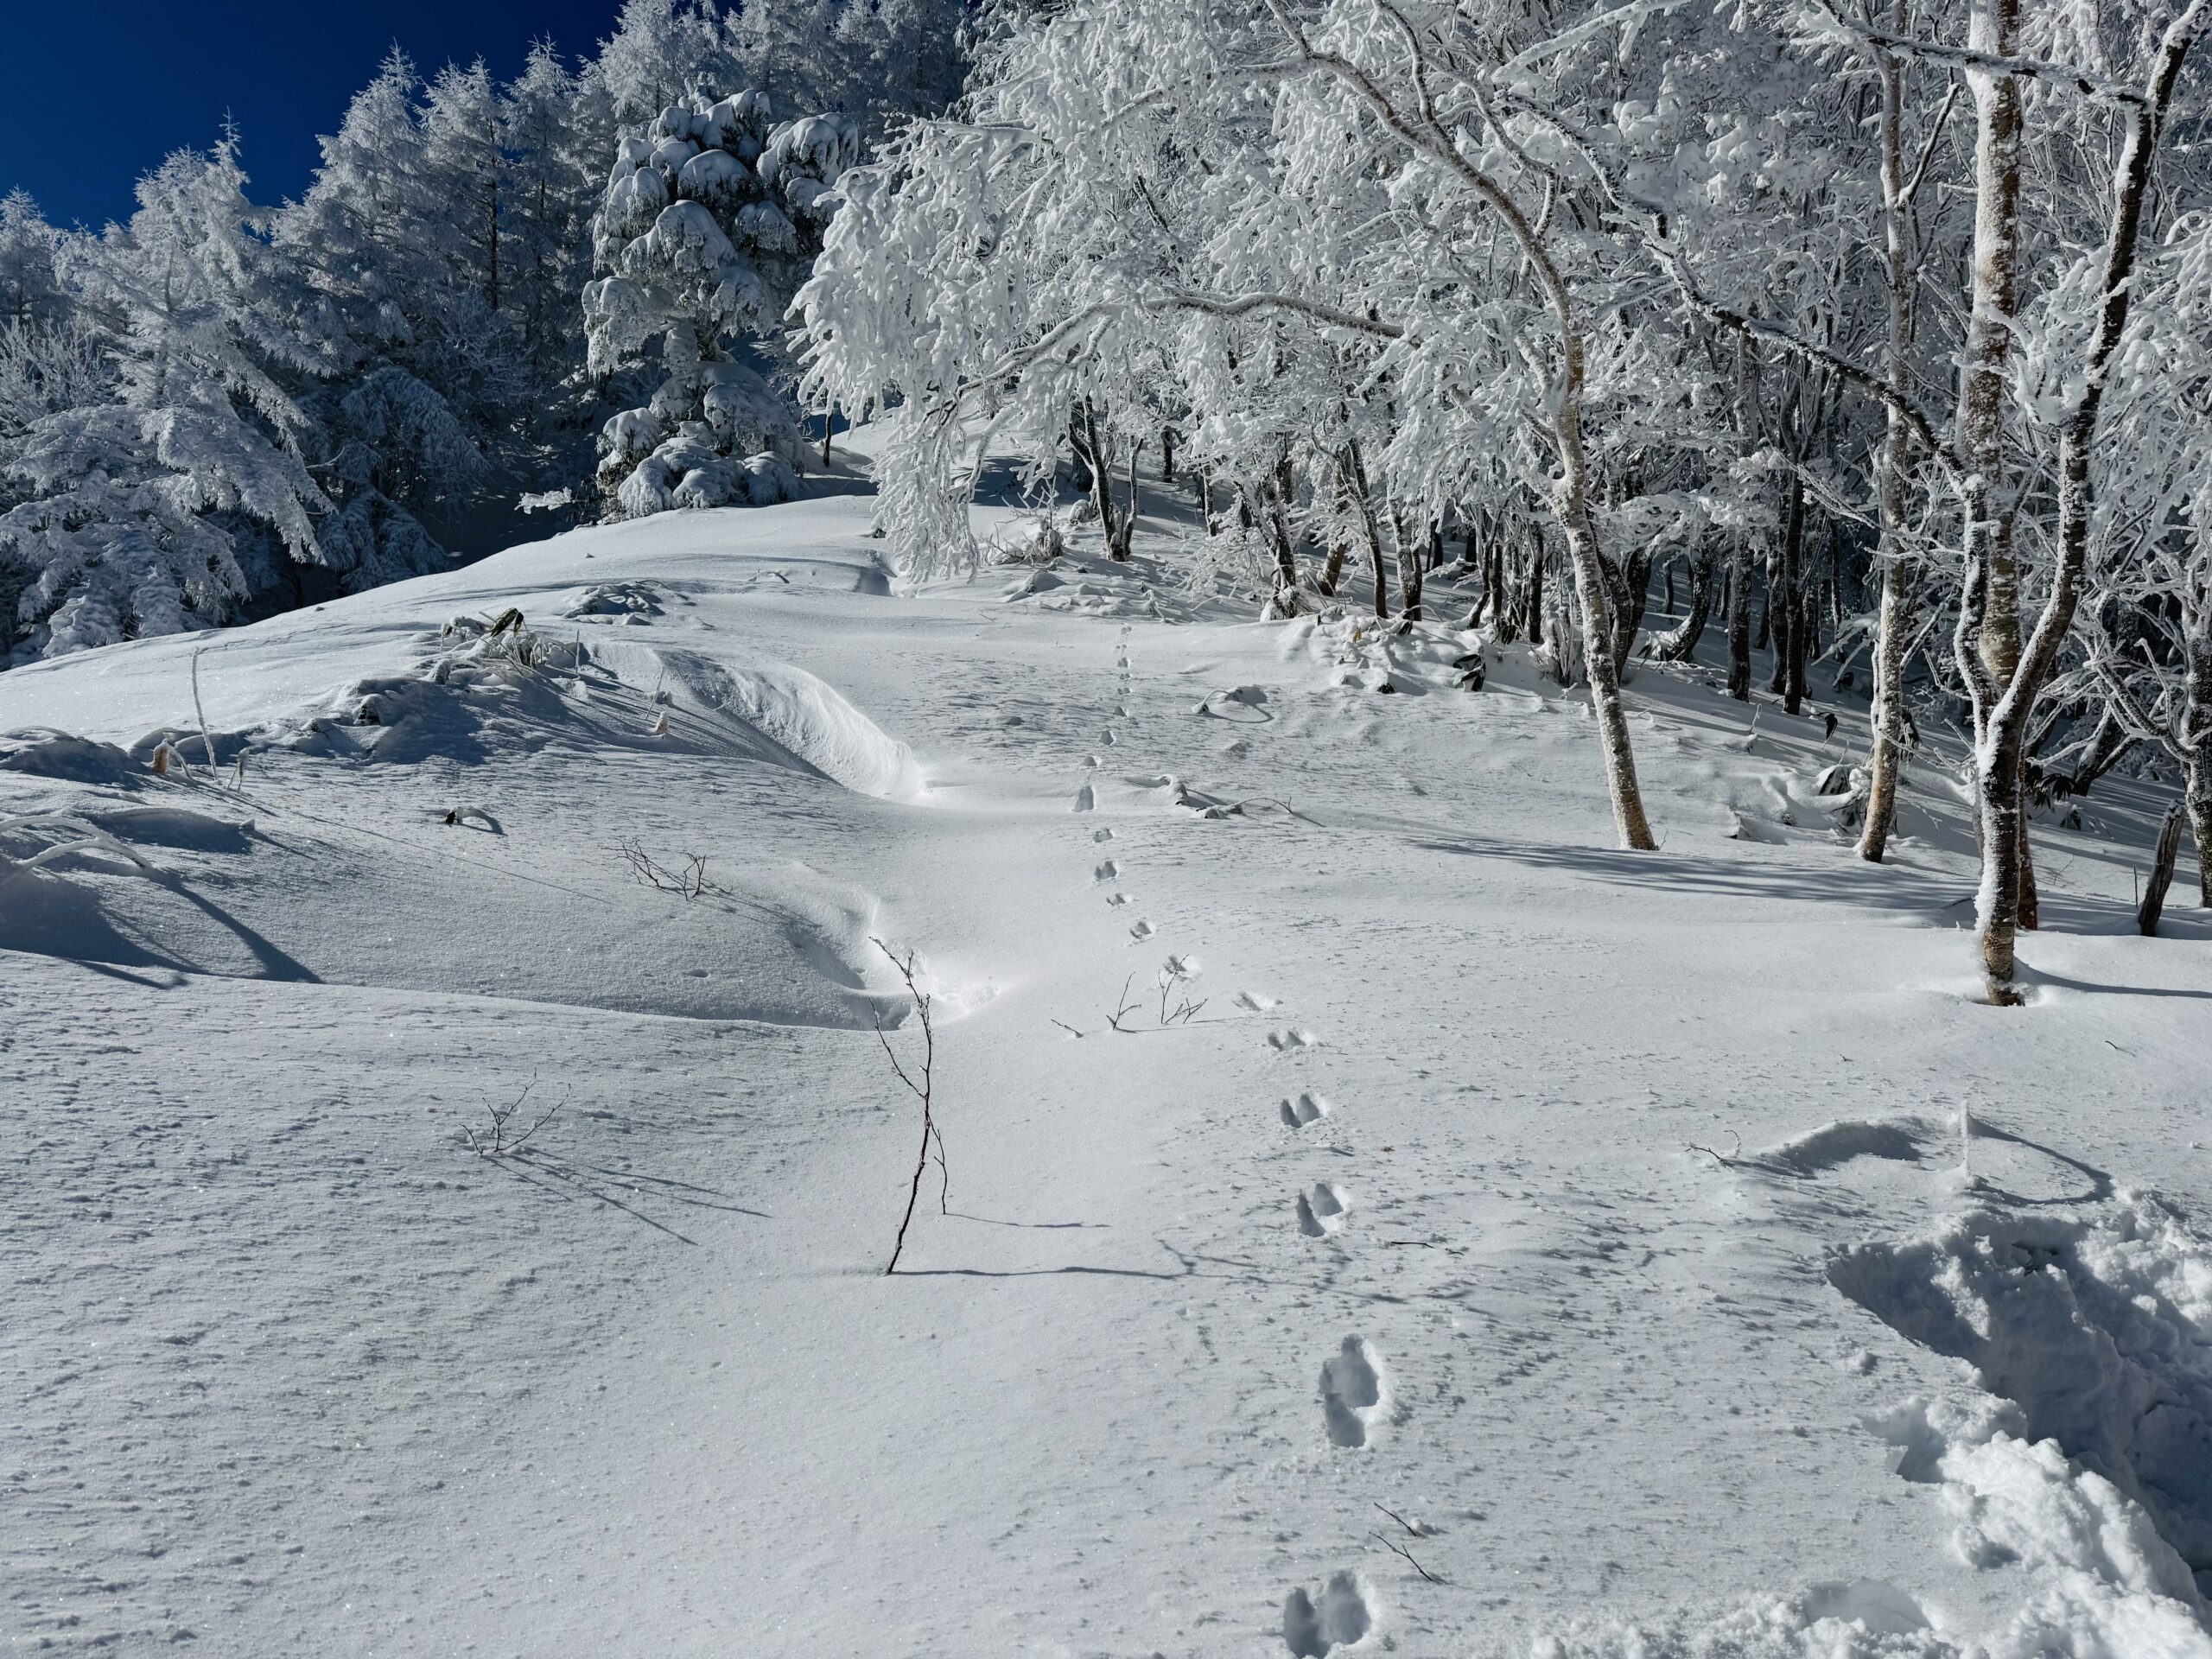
[93, 94]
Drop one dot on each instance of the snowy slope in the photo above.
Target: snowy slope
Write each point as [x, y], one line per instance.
[1527, 1247]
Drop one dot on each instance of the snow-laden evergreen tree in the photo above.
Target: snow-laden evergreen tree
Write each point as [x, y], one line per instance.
[153, 508]
[662, 51]
[409, 365]
[711, 216]
[872, 60]
[557, 127]
[30, 287]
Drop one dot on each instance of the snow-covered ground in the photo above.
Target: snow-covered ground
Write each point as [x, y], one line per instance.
[1518, 1247]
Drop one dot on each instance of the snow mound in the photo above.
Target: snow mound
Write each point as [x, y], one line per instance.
[2087, 1461]
[804, 715]
[43, 753]
[1904, 1140]
[514, 691]
[1863, 1619]
[2100, 1331]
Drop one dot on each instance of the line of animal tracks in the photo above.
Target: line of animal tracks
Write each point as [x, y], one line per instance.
[1355, 1392]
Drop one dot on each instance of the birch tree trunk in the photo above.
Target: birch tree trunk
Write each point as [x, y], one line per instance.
[1739, 619]
[1410, 552]
[1989, 613]
[2002, 712]
[1886, 715]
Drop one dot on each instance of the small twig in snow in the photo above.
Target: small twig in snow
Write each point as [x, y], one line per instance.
[1735, 1152]
[496, 1143]
[1398, 1549]
[1127, 1006]
[921, 1091]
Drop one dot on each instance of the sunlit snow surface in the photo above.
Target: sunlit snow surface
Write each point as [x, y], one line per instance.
[1379, 1302]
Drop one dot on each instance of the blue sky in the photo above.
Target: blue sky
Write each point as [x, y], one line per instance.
[91, 95]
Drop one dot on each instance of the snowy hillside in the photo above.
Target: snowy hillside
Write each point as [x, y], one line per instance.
[1376, 1216]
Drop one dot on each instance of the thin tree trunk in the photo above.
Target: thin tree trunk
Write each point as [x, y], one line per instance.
[1286, 601]
[1683, 646]
[1796, 606]
[1988, 505]
[1410, 552]
[1355, 473]
[1532, 613]
[1766, 615]
[1739, 619]
[1091, 453]
[2197, 796]
[1886, 714]
[2161, 876]
[1129, 514]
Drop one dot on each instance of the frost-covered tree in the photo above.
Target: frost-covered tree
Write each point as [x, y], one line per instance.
[150, 510]
[412, 371]
[30, 287]
[662, 52]
[556, 128]
[711, 216]
[1353, 181]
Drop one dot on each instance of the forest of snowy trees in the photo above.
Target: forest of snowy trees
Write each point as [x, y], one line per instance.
[560, 288]
[1883, 327]
[1885, 324]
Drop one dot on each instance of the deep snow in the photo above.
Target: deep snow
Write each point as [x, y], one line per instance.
[1520, 1246]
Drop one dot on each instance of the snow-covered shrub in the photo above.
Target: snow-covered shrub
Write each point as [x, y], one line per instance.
[711, 215]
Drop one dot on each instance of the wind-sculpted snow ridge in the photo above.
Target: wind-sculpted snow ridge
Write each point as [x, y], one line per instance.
[806, 716]
[523, 689]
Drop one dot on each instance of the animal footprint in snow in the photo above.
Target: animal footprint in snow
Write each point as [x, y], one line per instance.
[1102, 834]
[1106, 872]
[1117, 900]
[1291, 1039]
[1084, 800]
[1141, 931]
[1355, 1394]
[1307, 1109]
[1322, 1211]
[1343, 1616]
[1258, 1001]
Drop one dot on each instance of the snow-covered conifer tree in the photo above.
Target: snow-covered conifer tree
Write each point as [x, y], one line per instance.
[30, 290]
[710, 218]
[147, 509]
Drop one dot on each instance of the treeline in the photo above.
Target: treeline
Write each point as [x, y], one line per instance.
[216, 410]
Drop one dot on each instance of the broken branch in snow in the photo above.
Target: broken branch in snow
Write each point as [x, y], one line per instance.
[1734, 1155]
[1398, 1549]
[87, 837]
[690, 882]
[923, 1091]
[207, 743]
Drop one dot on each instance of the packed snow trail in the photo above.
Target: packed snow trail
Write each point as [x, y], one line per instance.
[292, 1368]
